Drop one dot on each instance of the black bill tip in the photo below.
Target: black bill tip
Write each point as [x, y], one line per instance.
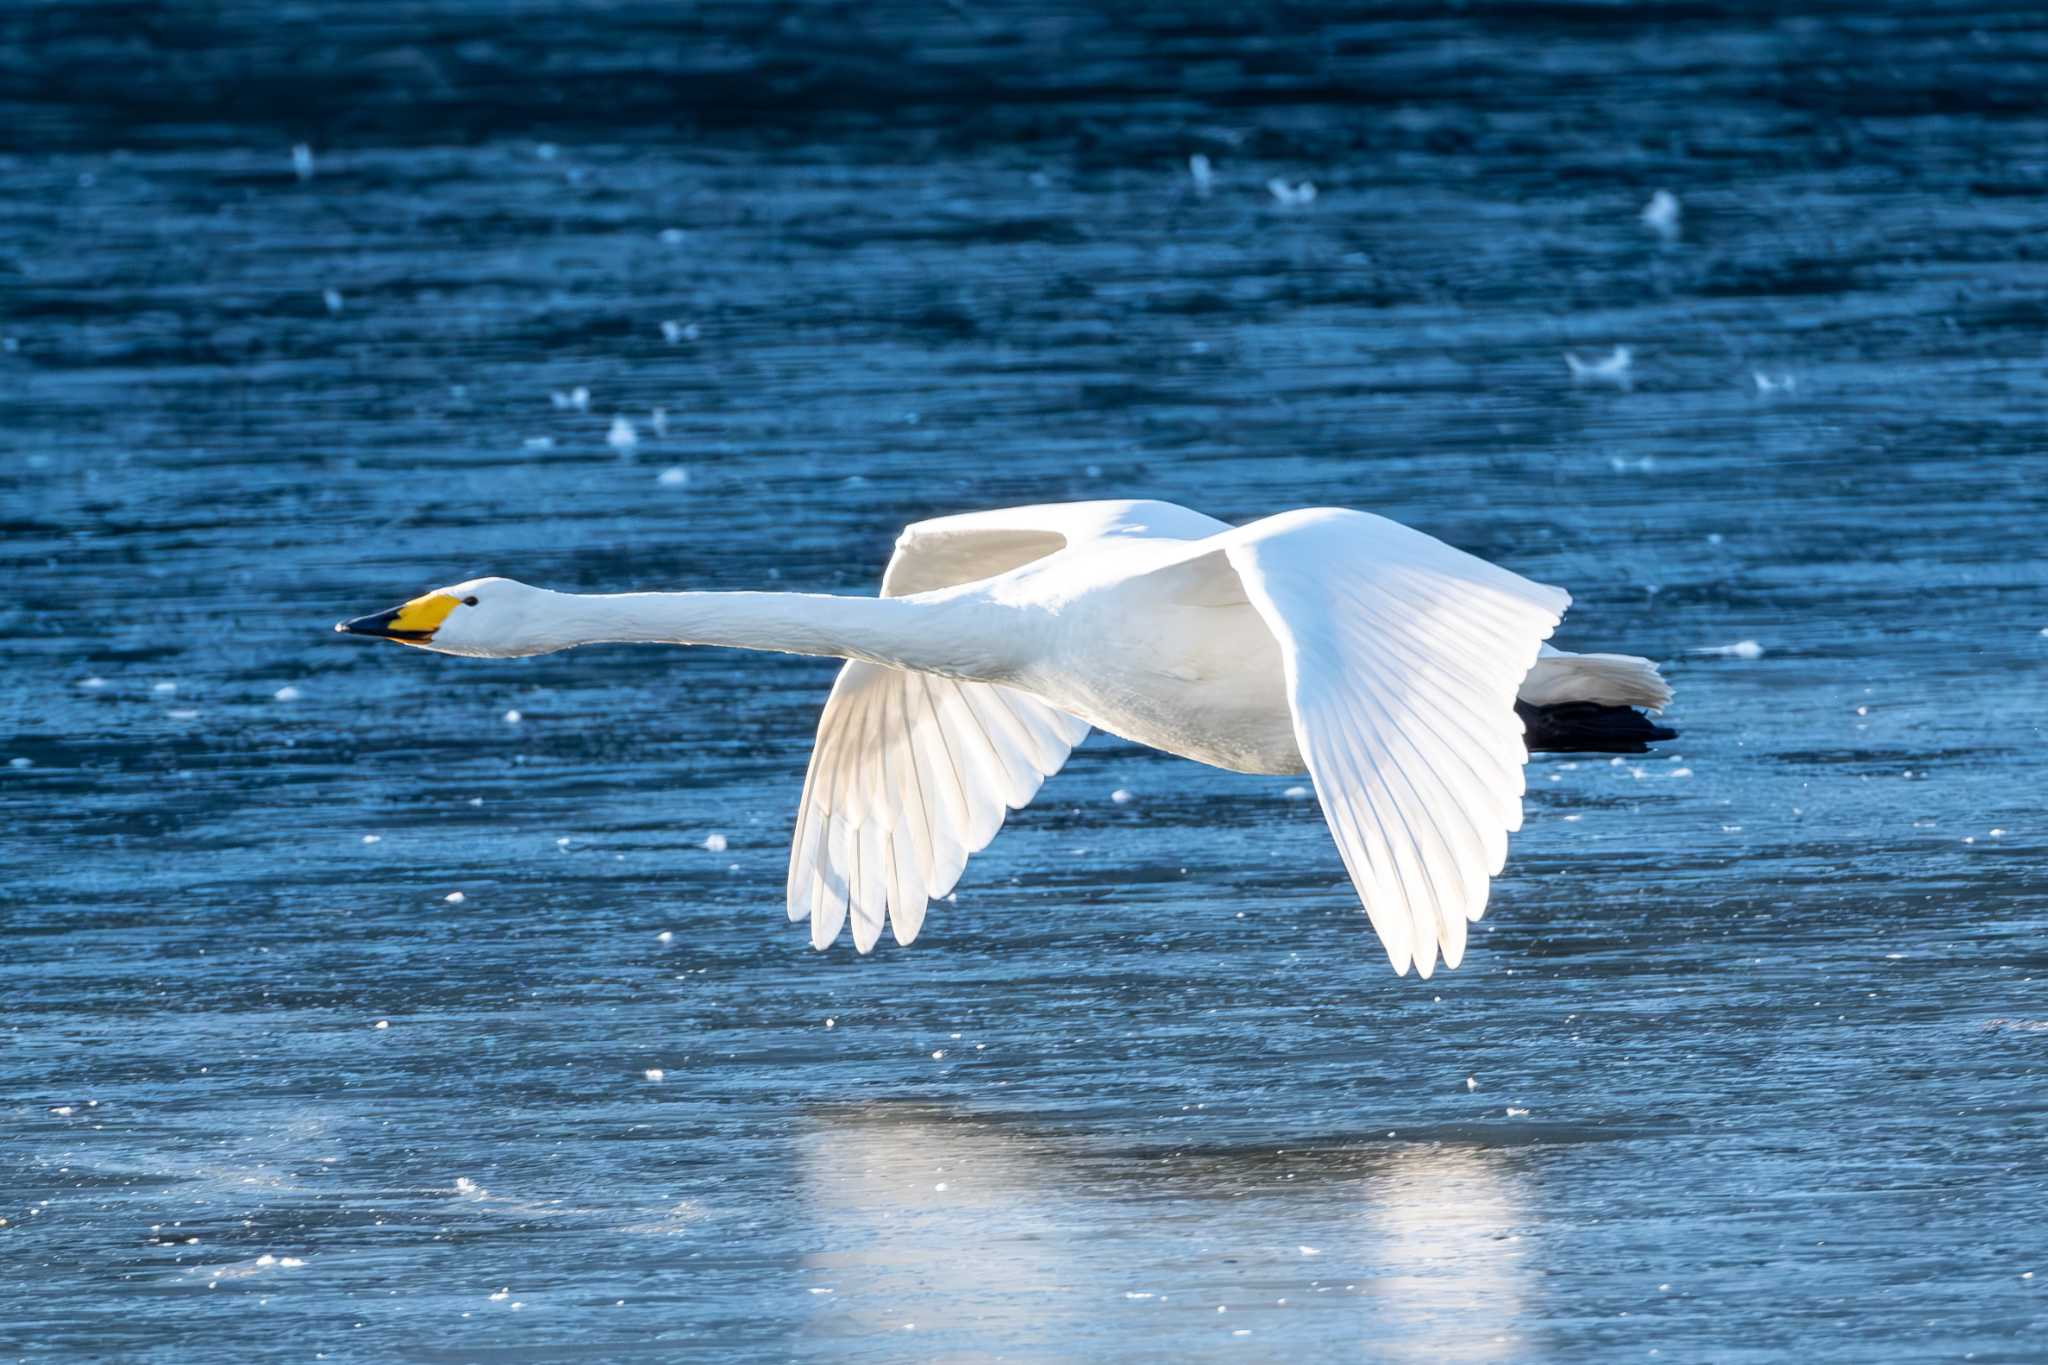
[379, 626]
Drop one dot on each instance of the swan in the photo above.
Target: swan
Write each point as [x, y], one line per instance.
[1407, 678]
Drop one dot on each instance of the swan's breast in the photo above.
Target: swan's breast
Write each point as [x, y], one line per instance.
[1203, 682]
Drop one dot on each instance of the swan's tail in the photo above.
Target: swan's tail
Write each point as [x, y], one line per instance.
[1610, 679]
[1587, 727]
[1586, 703]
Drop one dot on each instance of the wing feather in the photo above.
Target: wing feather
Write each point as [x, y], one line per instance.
[911, 772]
[1403, 657]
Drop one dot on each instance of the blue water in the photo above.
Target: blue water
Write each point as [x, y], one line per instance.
[1749, 1059]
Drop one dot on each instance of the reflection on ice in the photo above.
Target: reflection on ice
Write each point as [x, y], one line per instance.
[957, 1223]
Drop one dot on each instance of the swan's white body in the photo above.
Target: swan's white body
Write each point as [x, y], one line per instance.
[1381, 661]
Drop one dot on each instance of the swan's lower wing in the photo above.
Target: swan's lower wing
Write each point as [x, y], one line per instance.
[1403, 656]
[911, 773]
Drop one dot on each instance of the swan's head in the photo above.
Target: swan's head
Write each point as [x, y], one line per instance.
[486, 618]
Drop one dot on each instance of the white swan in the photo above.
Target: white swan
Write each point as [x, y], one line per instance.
[1394, 669]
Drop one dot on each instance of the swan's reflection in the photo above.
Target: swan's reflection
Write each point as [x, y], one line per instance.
[991, 1238]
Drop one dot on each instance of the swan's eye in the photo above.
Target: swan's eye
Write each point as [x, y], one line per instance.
[469, 601]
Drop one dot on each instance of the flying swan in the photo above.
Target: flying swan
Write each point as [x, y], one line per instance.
[1407, 678]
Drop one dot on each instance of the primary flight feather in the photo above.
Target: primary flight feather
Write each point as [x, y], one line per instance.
[1407, 678]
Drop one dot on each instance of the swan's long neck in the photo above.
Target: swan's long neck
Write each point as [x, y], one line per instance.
[954, 637]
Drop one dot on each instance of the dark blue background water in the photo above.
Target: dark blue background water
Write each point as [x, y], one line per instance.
[1747, 1061]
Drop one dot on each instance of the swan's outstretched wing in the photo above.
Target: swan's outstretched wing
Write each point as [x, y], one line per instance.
[911, 772]
[1403, 656]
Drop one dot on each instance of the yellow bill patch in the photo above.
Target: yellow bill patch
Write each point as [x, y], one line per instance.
[424, 614]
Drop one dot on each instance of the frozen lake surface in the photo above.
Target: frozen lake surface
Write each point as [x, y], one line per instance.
[1748, 1060]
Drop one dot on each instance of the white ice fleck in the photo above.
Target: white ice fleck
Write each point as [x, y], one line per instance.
[1296, 793]
[831, 1023]
[94, 684]
[513, 717]
[1741, 649]
[455, 898]
[286, 693]
[1515, 1113]
[21, 763]
[654, 1073]
[674, 236]
[665, 936]
[1291, 196]
[538, 443]
[501, 1296]
[576, 399]
[715, 843]
[1613, 368]
[1661, 214]
[938, 1053]
[1765, 384]
[165, 689]
[941, 1186]
[675, 476]
[1471, 1083]
[1120, 796]
[622, 437]
[382, 1023]
[1310, 1251]
[1679, 772]
[373, 838]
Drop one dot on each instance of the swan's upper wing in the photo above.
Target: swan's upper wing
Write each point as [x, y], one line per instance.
[912, 772]
[1402, 657]
[946, 551]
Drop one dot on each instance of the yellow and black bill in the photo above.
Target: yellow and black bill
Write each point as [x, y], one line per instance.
[413, 623]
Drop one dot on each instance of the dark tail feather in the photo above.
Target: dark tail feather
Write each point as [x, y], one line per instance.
[1587, 727]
